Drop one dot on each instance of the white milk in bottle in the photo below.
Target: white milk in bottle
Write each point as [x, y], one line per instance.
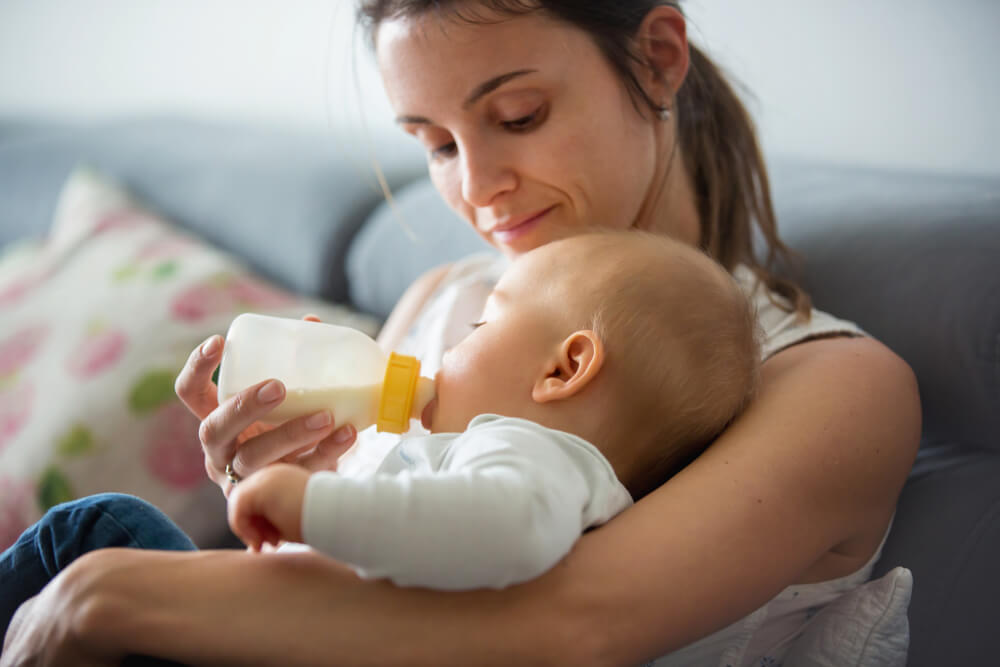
[324, 366]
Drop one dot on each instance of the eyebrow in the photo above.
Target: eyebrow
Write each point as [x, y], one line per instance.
[477, 93]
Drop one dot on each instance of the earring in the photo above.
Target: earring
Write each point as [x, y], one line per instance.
[663, 113]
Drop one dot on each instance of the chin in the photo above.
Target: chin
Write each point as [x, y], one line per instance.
[441, 426]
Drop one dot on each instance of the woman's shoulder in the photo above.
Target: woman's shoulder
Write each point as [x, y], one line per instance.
[780, 325]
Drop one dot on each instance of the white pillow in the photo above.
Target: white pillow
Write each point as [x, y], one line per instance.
[95, 323]
[866, 627]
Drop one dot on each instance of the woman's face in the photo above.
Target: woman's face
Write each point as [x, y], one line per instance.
[530, 134]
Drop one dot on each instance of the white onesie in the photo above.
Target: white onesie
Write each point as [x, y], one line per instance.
[495, 505]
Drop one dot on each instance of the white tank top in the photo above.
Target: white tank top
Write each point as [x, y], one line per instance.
[764, 634]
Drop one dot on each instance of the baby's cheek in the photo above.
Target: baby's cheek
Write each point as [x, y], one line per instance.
[458, 364]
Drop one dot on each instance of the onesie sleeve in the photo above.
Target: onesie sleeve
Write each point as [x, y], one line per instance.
[504, 507]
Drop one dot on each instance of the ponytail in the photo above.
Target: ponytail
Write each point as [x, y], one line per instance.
[723, 157]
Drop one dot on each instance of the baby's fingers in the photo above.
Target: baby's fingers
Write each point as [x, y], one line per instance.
[265, 532]
[243, 518]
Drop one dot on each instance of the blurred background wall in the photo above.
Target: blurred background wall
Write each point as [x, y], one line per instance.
[883, 82]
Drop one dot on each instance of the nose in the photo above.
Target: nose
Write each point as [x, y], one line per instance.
[485, 176]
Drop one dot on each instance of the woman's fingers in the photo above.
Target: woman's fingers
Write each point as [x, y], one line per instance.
[222, 427]
[194, 384]
[324, 455]
[230, 433]
[296, 435]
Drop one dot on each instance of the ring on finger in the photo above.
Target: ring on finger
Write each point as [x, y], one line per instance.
[232, 475]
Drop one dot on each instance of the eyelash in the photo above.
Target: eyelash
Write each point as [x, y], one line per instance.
[522, 124]
[444, 151]
[476, 325]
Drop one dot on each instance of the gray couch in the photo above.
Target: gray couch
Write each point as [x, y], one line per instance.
[912, 257]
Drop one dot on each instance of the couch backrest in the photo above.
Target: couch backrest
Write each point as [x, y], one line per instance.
[914, 258]
[287, 203]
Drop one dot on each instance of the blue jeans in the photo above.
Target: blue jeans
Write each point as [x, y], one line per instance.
[72, 529]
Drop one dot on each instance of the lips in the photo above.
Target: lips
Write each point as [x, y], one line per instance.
[427, 416]
[513, 223]
[512, 228]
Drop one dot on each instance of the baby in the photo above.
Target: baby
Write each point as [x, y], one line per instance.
[603, 364]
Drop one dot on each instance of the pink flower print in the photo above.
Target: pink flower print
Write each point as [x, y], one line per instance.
[200, 301]
[16, 499]
[251, 293]
[20, 288]
[98, 351]
[127, 218]
[20, 348]
[173, 452]
[226, 293]
[168, 247]
[14, 292]
[16, 402]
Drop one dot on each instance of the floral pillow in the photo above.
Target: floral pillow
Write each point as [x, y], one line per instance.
[95, 324]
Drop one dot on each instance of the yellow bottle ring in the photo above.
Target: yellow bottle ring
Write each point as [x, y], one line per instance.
[396, 400]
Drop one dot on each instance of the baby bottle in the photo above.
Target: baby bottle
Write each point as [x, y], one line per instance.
[324, 366]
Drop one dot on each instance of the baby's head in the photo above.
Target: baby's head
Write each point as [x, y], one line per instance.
[639, 344]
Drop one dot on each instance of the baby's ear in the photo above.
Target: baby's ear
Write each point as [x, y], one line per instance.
[576, 362]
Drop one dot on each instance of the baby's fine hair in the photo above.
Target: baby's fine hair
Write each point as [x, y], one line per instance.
[682, 346]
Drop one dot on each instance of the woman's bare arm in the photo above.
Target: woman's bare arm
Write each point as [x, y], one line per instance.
[800, 488]
[236, 607]
[811, 471]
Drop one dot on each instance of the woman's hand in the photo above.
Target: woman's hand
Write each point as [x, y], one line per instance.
[42, 632]
[267, 508]
[231, 433]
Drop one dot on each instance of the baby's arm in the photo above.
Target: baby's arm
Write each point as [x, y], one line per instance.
[266, 508]
[495, 518]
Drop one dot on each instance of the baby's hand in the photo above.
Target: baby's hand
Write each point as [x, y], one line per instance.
[266, 508]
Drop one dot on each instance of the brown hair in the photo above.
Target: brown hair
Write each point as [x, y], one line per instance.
[681, 340]
[716, 134]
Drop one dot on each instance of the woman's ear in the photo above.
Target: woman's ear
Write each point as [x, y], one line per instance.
[576, 362]
[662, 42]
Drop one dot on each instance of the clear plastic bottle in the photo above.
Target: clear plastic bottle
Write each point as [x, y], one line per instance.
[324, 366]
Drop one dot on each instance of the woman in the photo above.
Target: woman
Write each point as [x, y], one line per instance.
[541, 118]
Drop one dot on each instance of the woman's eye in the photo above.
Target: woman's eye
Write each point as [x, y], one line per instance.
[522, 123]
[444, 151]
[476, 325]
